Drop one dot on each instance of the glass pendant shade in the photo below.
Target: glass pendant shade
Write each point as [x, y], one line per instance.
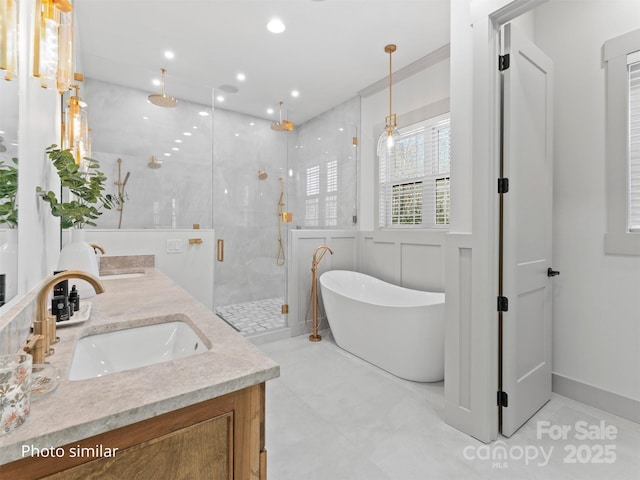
[76, 129]
[8, 38]
[391, 127]
[390, 121]
[53, 44]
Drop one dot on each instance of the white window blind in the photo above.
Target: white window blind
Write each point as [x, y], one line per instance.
[321, 203]
[311, 213]
[634, 146]
[332, 176]
[414, 176]
[311, 210]
[331, 211]
[313, 180]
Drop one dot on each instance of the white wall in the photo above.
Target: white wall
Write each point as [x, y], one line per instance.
[412, 259]
[302, 244]
[596, 311]
[39, 127]
[191, 267]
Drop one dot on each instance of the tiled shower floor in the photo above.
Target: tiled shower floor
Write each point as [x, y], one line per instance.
[251, 318]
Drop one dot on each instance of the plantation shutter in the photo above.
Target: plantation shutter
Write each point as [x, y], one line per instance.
[312, 202]
[634, 142]
[414, 176]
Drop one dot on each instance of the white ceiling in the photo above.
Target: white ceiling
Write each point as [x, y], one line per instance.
[330, 50]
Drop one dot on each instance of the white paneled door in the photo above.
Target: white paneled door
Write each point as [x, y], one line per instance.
[526, 212]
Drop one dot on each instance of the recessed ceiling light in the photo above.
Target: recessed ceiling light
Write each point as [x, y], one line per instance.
[175, 149]
[169, 55]
[177, 140]
[167, 154]
[237, 134]
[276, 26]
[187, 134]
[220, 98]
[241, 77]
[270, 111]
[144, 118]
[156, 82]
[203, 114]
[295, 93]
[252, 123]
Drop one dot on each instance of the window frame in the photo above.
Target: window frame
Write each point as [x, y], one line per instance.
[618, 239]
[433, 114]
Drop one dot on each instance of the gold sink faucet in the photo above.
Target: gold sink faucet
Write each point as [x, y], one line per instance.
[44, 326]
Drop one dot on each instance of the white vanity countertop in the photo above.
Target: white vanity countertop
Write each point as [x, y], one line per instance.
[82, 408]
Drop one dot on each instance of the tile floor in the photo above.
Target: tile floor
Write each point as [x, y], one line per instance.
[332, 416]
[251, 318]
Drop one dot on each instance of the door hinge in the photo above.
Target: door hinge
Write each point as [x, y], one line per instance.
[503, 185]
[503, 399]
[503, 304]
[503, 62]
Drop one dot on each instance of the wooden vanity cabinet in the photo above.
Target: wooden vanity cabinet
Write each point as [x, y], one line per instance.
[218, 439]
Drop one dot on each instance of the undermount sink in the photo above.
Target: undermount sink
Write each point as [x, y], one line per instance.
[103, 353]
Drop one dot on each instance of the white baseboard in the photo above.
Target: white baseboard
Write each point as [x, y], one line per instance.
[620, 405]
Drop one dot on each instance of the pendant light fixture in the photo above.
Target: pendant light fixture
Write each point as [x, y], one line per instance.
[76, 128]
[390, 122]
[53, 44]
[8, 38]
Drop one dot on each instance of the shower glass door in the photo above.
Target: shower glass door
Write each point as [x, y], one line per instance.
[250, 183]
[265, 182]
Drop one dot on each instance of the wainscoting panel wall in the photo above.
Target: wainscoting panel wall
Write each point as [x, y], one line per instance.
[458, 330]
[409, 258]
[302, 243]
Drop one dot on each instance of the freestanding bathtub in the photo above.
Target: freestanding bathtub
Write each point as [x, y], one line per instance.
[397, 329]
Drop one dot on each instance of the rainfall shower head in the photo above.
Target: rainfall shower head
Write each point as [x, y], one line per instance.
[161, 99]
[154, 163]
[262, 175]
[282, 125]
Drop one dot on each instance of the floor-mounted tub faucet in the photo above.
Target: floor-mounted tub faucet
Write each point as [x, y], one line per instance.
[318, 253]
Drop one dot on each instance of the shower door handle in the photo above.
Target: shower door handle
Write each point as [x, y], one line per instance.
[220, 250]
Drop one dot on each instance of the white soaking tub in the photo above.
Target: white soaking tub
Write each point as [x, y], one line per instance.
[397, 329]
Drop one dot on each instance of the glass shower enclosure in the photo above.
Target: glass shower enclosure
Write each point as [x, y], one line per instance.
[265, 183]
[251, 184]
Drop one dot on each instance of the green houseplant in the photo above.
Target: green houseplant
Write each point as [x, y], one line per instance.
[9, 193]
[86, 185]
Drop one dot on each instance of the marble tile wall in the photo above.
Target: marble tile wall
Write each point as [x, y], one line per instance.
[125, 125]
[246, 207]
[213, 178]
[324, 139]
